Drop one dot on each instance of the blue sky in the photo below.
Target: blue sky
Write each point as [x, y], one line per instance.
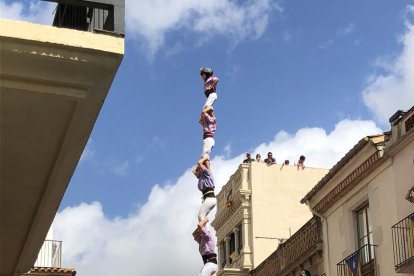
[307, 69]
[296, 77]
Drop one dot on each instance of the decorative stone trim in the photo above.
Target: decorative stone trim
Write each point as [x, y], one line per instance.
[348, 183]
[45, 271]
[240, 201]
[231, 222]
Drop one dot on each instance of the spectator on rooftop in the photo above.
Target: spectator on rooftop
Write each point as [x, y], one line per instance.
[301, 162]
[248, 159]
[270, 160]
[258, 158]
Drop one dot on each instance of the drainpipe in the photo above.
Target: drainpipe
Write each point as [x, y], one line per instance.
[325, 225]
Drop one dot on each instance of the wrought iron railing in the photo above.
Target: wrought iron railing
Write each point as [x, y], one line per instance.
[107, 16]
[409, 123]
[403, 241]
[304, 242]
[50, 255]
[361, 262]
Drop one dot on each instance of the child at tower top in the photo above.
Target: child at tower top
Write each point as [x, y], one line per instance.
[210, 85]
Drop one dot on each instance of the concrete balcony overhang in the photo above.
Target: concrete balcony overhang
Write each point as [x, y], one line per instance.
[53, 83]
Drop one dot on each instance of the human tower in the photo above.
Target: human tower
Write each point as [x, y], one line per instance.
[204, 175]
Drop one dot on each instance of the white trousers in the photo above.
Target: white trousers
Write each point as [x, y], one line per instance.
[208, 145]
[208, 269]
[208, 204]
[210, 99]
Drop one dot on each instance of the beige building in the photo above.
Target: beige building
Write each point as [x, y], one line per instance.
[366, 221]
[53, 82]
[256, 209]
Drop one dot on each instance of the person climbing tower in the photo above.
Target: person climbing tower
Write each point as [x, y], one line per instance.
[209, 124]
[210, 86]
[203, 173]
[206, 247]
[206, 186]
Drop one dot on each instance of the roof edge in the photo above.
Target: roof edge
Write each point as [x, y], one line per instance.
[339, 165]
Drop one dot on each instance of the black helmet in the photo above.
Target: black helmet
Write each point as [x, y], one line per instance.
[206, 70]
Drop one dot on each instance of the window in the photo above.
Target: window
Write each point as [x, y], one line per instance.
[232, 247]
[364, 227]
[364, 231]
[240, 237]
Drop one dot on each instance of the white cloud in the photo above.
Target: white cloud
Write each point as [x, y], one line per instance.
[33, 11]
[346, 30]
[89, 151]
[341, 33]
[387, 92]
[326, 44]
[152, 20]
[115, 166]
[227, 150]
[106, 165]
[156, 239]
[157, 142]
[139, 159]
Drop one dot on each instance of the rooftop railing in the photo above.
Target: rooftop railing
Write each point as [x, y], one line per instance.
[403, 242]
[101, 16]
[50, 255]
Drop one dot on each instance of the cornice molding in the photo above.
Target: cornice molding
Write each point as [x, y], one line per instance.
[349, 182]
[239, 202]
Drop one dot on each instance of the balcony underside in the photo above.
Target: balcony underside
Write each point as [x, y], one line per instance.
[406, 267]
[50, 96]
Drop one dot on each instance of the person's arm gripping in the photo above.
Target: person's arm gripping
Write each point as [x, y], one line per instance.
[205, 234]
[212, 83]
[201, 162]
[196, 235]
[211, 119]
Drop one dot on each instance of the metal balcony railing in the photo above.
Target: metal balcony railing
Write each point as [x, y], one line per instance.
[102, 16]
[361, 262]
[302, 245]
[50, 255]
[403, 241]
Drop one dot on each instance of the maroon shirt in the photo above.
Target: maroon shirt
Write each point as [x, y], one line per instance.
[210, 85]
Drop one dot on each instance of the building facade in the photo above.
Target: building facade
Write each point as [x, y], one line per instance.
[368, 226]
[256, 210]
